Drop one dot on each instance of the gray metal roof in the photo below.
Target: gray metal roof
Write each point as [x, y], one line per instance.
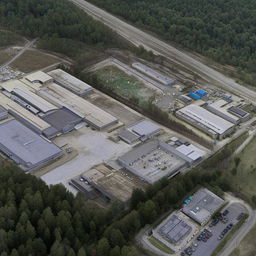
[60, 118]
[175, 229]
[203, 205]
[24, 146]
[145, 128]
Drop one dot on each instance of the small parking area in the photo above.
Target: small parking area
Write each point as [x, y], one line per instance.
[212, 235]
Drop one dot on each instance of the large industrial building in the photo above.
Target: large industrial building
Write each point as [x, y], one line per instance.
[105, 181]
[215, 126]
[48, 108]
[153, 74]
[202, 206]
[230, 113]
[3, 113]
[26, 148]
[154, 160]
[141, 130]
[70, 82]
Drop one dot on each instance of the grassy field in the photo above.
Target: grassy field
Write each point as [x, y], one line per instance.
[123, 84]
[242, 175]
[5, 55]
[247, 247]
[160, 245]
[33, 60]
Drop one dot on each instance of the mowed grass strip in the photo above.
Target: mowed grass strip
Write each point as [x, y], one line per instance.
[160, 245]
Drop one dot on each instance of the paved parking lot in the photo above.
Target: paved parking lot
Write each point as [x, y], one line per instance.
[207, 248]
[93, 148]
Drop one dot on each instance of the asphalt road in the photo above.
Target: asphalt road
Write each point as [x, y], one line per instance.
[138, 37]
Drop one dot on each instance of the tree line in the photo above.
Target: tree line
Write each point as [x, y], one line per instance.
[39, 220]
[222, 30]
[59, 24]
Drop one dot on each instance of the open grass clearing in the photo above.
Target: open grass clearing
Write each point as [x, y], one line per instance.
[242, 173]
[247, 247]
[160, 245]
[5, 55]
[122, 84]
[32, 60]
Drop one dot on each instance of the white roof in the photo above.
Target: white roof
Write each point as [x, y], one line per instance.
[24, 113]
[206, 118]
[38, 76]
[70, 81]
[144, 128]
[220, 105]
[191, 151]
[61, 96]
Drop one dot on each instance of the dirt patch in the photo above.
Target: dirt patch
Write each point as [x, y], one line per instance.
[33, 60]
[125, 115]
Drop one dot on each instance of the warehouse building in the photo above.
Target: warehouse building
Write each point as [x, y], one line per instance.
[93, 115]
[26, 148]
[3, 113]
[154, 160]
[106, 182]
[232, 114]
[141, 130]
[24, 116]
[153, 74]
[70, 82]
[206, 121]
[173, 230]
[63, 120]
[202, 206]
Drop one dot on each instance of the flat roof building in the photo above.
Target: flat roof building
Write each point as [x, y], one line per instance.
[23, 115]
[154, 160]
[70, 82]
[93, 115]
[174, 229]
[141, 130]
[110, 183]
[26, 148]
[153, 73]
[63, 120]
[220, 108]
[210, 123]
[202, 206]
[39, 77]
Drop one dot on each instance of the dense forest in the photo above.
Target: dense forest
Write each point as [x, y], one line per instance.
[59, 24]
[224, 30]
[39, 220]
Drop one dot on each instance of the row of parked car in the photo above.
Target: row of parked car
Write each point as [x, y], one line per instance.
[189, 250]
[225, 231]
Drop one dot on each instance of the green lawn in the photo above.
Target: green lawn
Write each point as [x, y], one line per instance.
[247, 247]
[160, 245]
[123, 84]
[9, 38]
[243, 177]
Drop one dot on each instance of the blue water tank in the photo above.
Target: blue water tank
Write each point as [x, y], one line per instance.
[194, 96]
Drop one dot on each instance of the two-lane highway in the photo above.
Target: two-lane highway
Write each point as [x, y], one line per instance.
[138, 37]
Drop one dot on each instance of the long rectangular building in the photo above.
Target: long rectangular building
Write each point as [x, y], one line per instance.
[153, 73]
[93, 115]
[206, 121]
[26, 148]
[70, 82]
[23, 115]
